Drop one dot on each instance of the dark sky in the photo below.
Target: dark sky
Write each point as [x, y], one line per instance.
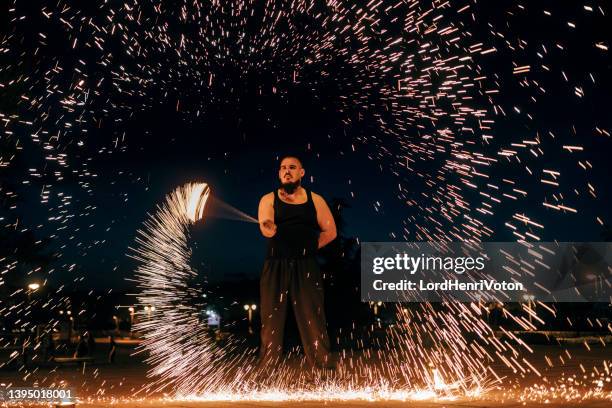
[234, 147]
[229, 247]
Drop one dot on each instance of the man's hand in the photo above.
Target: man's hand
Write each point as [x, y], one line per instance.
[266, 216]
[270, 227]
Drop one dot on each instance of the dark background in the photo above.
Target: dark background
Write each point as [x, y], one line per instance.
[139, 155]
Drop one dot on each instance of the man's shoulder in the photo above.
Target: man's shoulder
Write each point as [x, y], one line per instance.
[268, 197]
[316, 197]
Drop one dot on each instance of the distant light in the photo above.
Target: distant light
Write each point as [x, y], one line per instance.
[33, 286]
[246, 307]
[131, 309]
[253, 307]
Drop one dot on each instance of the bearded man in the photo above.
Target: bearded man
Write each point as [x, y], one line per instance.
[297, 222]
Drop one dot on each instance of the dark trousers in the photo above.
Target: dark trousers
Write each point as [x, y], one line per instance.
[299, 282]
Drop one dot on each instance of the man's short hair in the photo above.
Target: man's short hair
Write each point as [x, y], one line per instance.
[291, 156]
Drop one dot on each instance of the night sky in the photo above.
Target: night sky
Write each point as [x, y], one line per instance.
[250, 118]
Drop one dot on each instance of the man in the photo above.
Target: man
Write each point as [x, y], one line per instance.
[296, 222]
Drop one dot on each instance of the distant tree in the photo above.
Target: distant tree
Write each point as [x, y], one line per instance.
[20, 249]
[340, 265]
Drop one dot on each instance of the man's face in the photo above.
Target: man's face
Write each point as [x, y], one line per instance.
[290, 171]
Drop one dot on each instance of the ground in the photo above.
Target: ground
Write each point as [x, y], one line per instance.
[122, 383]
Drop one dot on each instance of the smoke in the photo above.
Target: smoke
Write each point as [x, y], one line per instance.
[217, 208]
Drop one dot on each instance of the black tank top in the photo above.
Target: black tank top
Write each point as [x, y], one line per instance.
[297, 229]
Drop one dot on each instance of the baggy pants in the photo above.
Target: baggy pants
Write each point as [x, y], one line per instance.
[299, 282]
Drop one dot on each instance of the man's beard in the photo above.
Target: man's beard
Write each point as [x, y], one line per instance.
[290, 188]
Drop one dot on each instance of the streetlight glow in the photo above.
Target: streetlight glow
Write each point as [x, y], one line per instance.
[250, 309]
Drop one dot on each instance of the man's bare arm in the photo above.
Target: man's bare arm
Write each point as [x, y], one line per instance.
[266, 216]
[325, 220]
